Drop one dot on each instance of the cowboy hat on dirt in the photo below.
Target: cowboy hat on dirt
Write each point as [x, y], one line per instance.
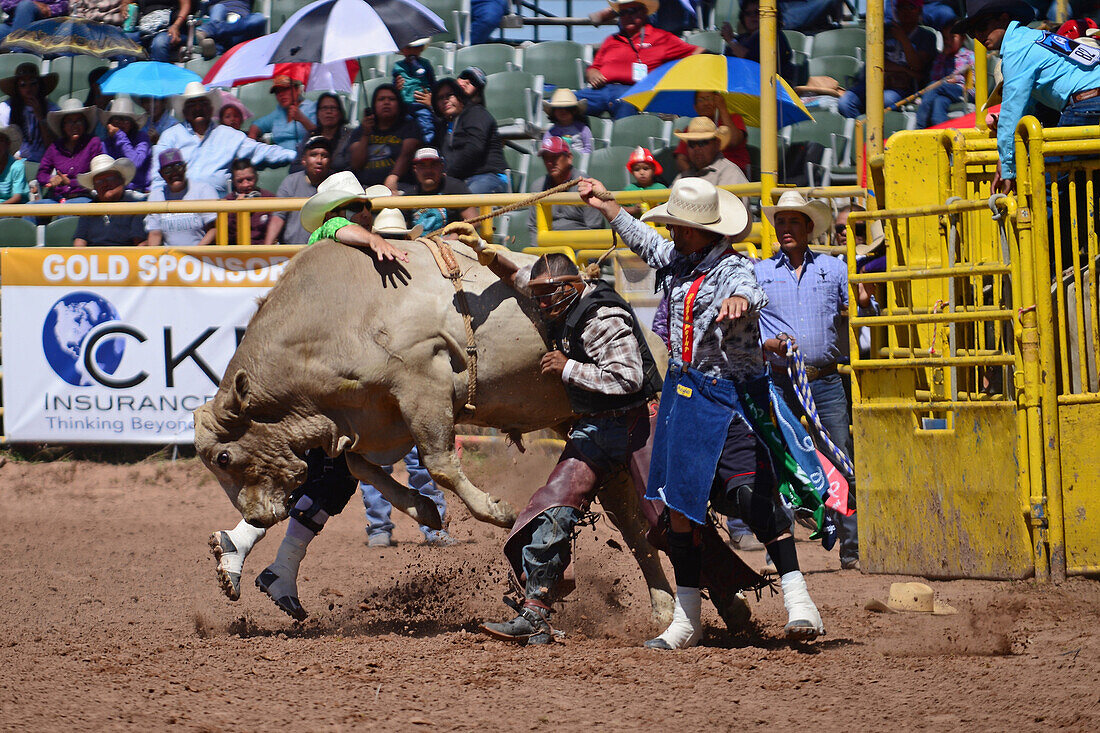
[194, 90]
[564, 99]
[818, 212]
[910, 598]
[698, 204]
[335, 191]
[70, 106]
[703, 128]
[391, 223]
[123, 106]
[106, 164]
[46, 82]
[14, 136]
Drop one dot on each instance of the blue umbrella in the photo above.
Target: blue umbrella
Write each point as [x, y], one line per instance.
[148, 79]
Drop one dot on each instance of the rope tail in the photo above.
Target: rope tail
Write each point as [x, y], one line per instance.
[796, 366]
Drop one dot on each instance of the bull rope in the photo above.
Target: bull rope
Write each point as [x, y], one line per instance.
[796, 367]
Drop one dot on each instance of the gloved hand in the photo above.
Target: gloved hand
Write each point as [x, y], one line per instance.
[466, 233]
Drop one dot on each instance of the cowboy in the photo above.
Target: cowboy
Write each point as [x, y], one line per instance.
[557, 156]
[341, 210]
[714, 406]
[627, 56]
[14, 188]
[600, 355]
[108, 179]
[209, 148]
[705, 143]
[807, 301]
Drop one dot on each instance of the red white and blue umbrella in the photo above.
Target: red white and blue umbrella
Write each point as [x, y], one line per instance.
[247, 62]
[334, 30]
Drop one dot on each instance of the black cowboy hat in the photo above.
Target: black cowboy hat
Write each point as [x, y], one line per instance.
[978, 10]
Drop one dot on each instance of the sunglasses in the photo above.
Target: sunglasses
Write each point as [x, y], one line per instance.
[356, 208]
[841, 229]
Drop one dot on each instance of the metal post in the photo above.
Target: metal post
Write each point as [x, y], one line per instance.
[769, 117]
[876, 62]
[223, 228]
[981, 84]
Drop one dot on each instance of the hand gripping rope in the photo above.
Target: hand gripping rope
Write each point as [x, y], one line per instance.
[796, 367]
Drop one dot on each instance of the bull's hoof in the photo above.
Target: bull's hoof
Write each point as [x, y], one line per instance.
[501, 513]
[288, 603]
[662, 605]
[733, 608]
[229, 580]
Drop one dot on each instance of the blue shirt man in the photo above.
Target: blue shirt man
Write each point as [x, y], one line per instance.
[292, 121]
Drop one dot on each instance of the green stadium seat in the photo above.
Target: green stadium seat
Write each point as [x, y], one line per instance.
[493, 58]
[832, 131]
[281, 10]
[258, 98]
[455, 15]
[726, 11]
[511, 230]
[601, 131]
[710, 40]
[15, 232]
[10, 61]
[608, 166]
[896, 121]
[271, 178]
[437, 55]
[60, 232]
[200, 65]
[648, 131]
[519, 166]
[799, 41]
[559, 62]
[840, 42]
[512, 96]
[842, 68]
[72, 72]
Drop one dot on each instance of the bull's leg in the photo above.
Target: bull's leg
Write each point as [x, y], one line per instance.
[442, 463]
[416, 505]
[620, 500]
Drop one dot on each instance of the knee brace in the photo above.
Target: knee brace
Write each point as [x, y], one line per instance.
[305, 517]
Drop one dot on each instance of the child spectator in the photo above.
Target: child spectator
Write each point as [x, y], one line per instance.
[13, 172]
[414, 77]
[570, 123]
[951, 65]
[644, 169]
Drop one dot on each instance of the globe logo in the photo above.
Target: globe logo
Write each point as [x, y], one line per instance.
[67, 326]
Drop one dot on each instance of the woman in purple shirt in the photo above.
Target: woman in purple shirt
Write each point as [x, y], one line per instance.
[126, 139]
[70, 154]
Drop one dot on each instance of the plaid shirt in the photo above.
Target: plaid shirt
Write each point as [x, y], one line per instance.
[608, 338]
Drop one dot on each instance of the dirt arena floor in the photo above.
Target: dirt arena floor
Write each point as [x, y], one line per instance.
[112, 620]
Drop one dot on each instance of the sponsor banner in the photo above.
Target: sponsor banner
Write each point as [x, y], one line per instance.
[111, 345]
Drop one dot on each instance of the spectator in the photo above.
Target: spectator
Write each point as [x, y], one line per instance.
[207, 148]
[26, 108]
[160, 27]
[644, 169]
[627, 56]
[184, 229]
[909, 49]
[70, 154]
[232, 113]
[807, 297]
[379, 526]
[705, 143]
[342, 210]
[809, 16]
[126, 139]
[109, 178]
[952, 65]
[22, 13]
[432, 179]
[160, 116]
[558, 159]
[13, 176]
[469, 141]
[382, 149]
[746, 44]
[244, 180]
[414, 78]
[229, 22]
[570, 124]
[485, 17]
[110, 12]
[472, 80]
[332, 123]
[712, 105]
[286, 226]
[293, 121]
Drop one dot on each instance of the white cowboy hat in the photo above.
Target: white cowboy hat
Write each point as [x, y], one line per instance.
[391, 223]
[14, 136]
[650, 5]
[817, 211]
[70, 106]
[193, 90]
[123, 106]
[337, 190]
[912, 598]
[564, 99]
[102, 164]
[696, 203]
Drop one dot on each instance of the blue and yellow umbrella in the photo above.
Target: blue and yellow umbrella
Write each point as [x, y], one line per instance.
[65, 36]
[671, 88]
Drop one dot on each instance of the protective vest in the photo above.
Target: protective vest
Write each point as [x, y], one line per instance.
[567, 337]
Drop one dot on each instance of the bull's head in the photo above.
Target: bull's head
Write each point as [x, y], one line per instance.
[255, 448]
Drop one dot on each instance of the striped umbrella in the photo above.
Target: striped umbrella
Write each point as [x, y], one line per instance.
[334, 30]
[671, 88]
[66, 36]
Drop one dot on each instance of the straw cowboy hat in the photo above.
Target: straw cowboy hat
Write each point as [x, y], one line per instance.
[650, 5]
[193, 90]
[703, 128]
[103, 164]
[876, 241]
[123, 106]
[46, 82]
[70, 106]
[564, 99]
[817, 211]
[14, 136]
[911, 598]
[335, 191]
[696, 203]
[391, 223]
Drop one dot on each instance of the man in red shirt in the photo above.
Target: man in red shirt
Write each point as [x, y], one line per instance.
[624, 58]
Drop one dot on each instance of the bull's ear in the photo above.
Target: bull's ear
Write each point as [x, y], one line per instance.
[237, 396]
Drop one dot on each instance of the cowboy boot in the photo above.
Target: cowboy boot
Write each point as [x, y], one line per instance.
[531, 626]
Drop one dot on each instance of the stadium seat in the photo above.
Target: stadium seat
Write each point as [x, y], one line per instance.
[493, 58]
[519, 166]
[840, 42]
[438, 57]
[559, 62]
[648, 131]
[799, 41]
[258, 98]
[15, 232]
[271, 178]
[725, 11]
[608, 166]
[601, 131]
[842, 68]
[369, 66]
[896, 121]
[281, 10]
[72, 72]
[514, 98]
[10, 61]
[801, 64]
[200, 65]
[710, 40]
[60, 232]
[455, 15]
[511, 230]
[832, 131]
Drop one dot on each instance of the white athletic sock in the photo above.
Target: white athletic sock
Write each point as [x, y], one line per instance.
[286, 564]
[687, 627]
[244, 537]
[796, 598]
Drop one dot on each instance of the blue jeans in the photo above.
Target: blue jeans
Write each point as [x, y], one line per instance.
[934, 105]
[488, 183]
[608, 98]
[26, 12]
[547, 553]
[227, 34]
[485, 17]
[852, 102]
[425, 122]
[161, 47]
[378, 509]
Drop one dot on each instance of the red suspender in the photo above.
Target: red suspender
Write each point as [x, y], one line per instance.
[687, 343]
